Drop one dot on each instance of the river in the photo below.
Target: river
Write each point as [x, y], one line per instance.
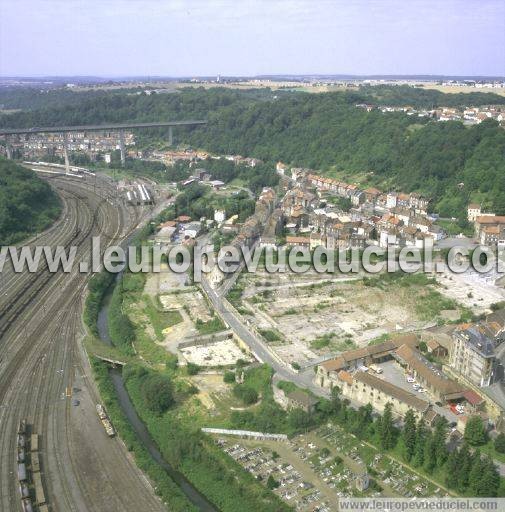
[193, 495]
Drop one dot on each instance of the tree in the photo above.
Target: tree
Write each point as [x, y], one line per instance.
[475, 431]
[499, 443]
[409, 435]
[298, 419]
[423, 347]
[387, 429]
[421, 434]
[476, 473]
[272, 483]
[491, 479]
[451, 473]
[484, 479]
[229, 377]
[465, 462]
[157, 393]
[439, 445]
[192, 368]
[335, 399]
[430, 460]
[247, 394]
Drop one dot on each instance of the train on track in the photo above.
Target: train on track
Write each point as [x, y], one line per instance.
[107, 425]
[31, 488]
[74, 171]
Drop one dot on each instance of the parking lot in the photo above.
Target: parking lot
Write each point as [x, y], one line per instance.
[394, 374]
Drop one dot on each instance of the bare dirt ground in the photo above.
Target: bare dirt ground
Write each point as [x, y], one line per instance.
[313, 316]
[220, 353]
[476, 291]
[174, 293]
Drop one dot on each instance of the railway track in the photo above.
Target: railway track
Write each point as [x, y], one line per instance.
[30, 289]
[40, 361]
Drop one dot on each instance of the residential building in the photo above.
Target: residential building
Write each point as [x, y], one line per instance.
[326, 374]
[302, 241]
[483, 221]
[219, 216]
[473, 211]
[473, 355]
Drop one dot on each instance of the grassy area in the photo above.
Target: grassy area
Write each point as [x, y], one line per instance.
[432, 302]
[489, 449]
[165, 487]
[271, 335]
[160, 319]
[429, 301]
[98, 348]
[235, 294]
[453, 229]
[380, 339]
[227, 484]
[210, 327]
[330, 339]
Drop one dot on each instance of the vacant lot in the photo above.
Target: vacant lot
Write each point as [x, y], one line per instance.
[305, 316]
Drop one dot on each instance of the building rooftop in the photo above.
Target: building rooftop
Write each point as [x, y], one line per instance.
[477, 340]
[393, 391]
[417, 363]
[491, 219]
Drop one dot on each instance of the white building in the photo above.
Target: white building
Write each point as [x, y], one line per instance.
[473, 212]
[219, 216]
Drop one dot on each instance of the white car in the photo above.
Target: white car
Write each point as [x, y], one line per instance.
[410, 379]
[416, 385]
[421, 390]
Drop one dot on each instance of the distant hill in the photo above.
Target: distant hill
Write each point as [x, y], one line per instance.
[27, 204]
[450, 162]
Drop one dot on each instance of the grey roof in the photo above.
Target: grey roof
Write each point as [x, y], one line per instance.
[478, 341]
[391, 390]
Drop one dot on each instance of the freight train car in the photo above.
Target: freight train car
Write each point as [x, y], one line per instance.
[40, 497]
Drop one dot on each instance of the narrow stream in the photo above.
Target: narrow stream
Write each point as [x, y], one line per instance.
[138, 426]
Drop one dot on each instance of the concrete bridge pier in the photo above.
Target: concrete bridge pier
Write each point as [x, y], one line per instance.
[122, 148]
[65, 152]
[170, 135]
[8, 149]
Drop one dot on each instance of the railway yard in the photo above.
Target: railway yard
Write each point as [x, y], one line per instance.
[46, 387]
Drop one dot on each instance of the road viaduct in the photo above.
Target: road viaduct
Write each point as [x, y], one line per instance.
[119, 128]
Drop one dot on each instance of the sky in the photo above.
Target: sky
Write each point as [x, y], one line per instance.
[117, 38]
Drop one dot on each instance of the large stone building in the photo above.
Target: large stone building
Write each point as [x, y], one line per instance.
[327, 372]
[365, 388]
[442, 388]
[473, 355]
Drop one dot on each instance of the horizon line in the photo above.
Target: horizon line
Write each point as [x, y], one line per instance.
[256, 76]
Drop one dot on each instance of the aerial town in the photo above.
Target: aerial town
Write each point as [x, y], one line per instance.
[252, 256]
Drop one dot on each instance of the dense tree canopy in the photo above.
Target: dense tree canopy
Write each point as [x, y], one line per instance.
[27, 204]
[450, 162]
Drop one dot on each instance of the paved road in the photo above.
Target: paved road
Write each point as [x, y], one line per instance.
[43, 367]
[260, 349]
